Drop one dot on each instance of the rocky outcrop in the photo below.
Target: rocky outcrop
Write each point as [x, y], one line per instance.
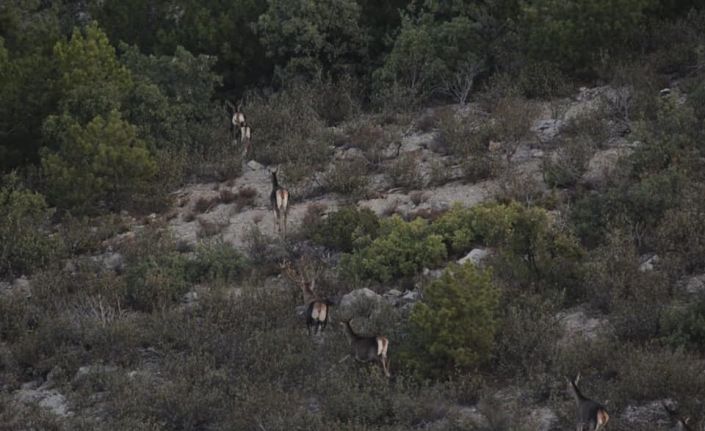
[576, 324]
[44, 396]
[476, 256]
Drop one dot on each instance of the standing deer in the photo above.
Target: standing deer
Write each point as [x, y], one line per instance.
[591, 416]
[245, 138]
[238, 118]
[317, 308]
[279, 198]
[240, 130]
[368, 349]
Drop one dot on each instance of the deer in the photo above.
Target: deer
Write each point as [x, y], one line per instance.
[317, 308]
[238, 118]
[368, 349]
[238, 124]
[680, 423]
[245, 138]
[279, 199]
[591, 416]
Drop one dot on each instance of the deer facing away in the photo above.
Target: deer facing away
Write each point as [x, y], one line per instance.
[591, 416]
[279, 199]
[317, 308]
[368, 349]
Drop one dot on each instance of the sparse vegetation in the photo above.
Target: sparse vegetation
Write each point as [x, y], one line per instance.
[348, 178]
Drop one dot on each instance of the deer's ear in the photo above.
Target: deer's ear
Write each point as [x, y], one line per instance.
[577, 379]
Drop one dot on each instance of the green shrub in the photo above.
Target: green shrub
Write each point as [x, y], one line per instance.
[456, 228]
[155, 283]
[215, 261]
[684, 326]
[453, 327]
[541, 79]
[672, 139]
[347, 229]
[533, 250]
[402, 249]
[103, 161]
[155, 275]
[25, 244]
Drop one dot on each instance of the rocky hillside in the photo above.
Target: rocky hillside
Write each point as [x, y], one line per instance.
[185, 319]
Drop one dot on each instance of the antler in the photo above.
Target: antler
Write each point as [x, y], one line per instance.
[291, 273]
[302, 275]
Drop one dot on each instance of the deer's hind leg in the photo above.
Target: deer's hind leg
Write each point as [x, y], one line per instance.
[275, 212]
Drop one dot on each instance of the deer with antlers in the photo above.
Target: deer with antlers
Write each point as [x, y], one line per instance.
[368, 349]
[591, 416]
[279, 199]
[241, 131]
[317, 308]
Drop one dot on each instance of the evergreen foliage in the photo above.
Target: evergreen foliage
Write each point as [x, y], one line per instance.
[453, 327]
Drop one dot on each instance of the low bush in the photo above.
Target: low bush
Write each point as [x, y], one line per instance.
[372, 139]
[526, 339]
[347, 229]
[569, 163]
[533, 250]
[456, 228]
[684, 325]
[681, 234]
[337, 101]
[591, 127]
[348, 178]
[469, 143]
[215, 261]
[77, 239]
[512, 127]
[155, 274]
[646, 374]
[287, 128]
[614, 283]
[542, 79]
[402, 249]
[404, 171]
[25, 243]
